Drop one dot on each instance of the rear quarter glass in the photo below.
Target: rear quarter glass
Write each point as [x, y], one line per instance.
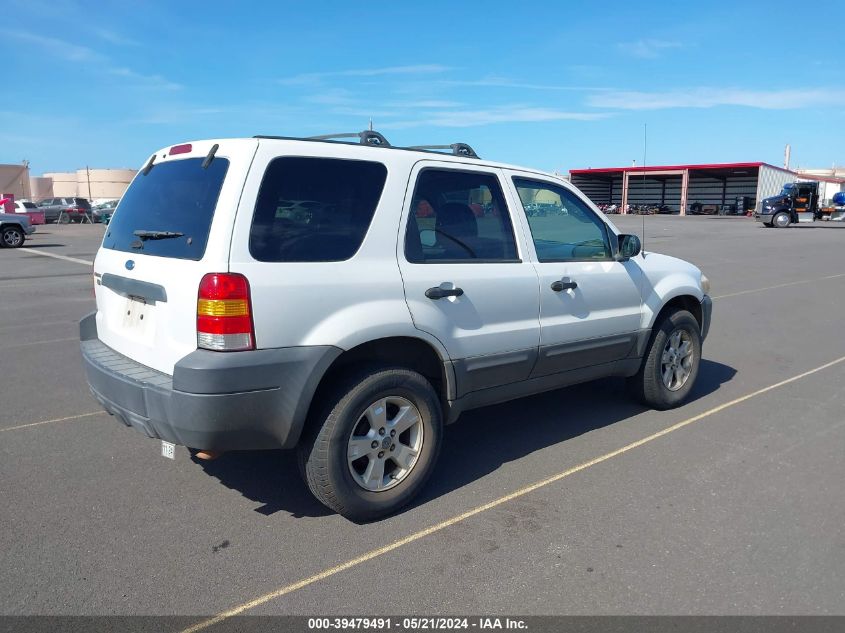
[314, 209]
[177, 196]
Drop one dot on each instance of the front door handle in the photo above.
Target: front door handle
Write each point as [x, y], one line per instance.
[564, 284]
[438, 293]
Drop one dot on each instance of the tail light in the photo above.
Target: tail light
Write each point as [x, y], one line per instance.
[224, 313]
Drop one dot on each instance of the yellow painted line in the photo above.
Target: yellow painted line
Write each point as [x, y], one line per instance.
[52, 340]
[791, 283]
[70, 417]
[33, 251]
[33, 326]
[381, 551]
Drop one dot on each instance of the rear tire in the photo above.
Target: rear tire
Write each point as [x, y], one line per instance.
[11, 237]
[671, 362]
[347, 453]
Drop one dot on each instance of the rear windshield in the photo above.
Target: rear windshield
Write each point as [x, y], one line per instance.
[175, 197]
[314, 209]
[29, 205]
[82, 202]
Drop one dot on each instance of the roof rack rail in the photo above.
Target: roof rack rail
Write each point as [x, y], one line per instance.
[367, 137]
[376, 139]
[458, 149]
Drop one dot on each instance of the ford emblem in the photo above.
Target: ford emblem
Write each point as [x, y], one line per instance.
[130, 264]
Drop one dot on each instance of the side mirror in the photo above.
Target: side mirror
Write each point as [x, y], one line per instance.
[629, 246]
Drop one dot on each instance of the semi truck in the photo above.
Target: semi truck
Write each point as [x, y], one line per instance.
[797, 202]
[801, 202]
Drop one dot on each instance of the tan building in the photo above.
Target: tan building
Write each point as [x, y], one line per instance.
[103, 183]
[826, 172]
[40, 187]
[94, 184]
[63, 183]
[14, 179]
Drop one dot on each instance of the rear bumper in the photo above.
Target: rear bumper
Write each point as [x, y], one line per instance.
[213, 401]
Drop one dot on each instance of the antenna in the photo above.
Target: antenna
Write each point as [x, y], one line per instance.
[645, 148]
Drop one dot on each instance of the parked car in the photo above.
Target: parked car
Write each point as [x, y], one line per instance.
[65, 209]
[228, 319]
[14, 229]
[35, 215]
[102, 212]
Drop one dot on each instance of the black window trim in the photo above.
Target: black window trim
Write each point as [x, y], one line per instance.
[321, 157]
[483, 169]
[604, 227]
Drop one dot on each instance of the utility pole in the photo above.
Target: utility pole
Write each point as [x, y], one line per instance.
[26, 190]
[88, 173]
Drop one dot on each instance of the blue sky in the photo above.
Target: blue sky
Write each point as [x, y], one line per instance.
[552, 85]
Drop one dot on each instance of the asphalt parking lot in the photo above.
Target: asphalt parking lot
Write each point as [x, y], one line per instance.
[736, 509]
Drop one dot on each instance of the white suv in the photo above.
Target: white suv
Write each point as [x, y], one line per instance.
[351, 298]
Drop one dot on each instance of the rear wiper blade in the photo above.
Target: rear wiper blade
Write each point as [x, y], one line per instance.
[156, 235]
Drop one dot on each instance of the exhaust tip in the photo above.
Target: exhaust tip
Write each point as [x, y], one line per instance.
[208, 455]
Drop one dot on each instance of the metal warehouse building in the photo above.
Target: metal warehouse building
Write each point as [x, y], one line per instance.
[679, 186]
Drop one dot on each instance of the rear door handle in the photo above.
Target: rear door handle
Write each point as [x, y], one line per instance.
[564, 284]
[438, 293]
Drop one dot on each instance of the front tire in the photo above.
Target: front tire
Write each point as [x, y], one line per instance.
[11, 237]
[781, 220]
[375, 443]
[671, 362]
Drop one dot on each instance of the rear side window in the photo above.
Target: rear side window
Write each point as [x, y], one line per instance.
[168, 212]
[314, 209]
[29, 205]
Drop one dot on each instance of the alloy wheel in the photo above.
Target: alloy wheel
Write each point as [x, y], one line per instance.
[385, 444]
[677, 360]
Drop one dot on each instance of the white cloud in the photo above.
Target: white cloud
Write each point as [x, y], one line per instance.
[333, 97]
[424, 103]
[113, 37]
[648, 48]
[313, 78]
[503, 82]
[56, 47]
[95, 61]
[154, 82]
[503, 114]
[713, 97]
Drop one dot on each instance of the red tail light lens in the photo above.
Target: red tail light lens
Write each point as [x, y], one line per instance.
[224, 313]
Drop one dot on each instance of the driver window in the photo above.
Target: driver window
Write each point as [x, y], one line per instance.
[562, 226]
[460, 217]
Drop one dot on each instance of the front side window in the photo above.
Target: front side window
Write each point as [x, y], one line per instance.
[459, 216]
[562, 226]
[314, 209]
